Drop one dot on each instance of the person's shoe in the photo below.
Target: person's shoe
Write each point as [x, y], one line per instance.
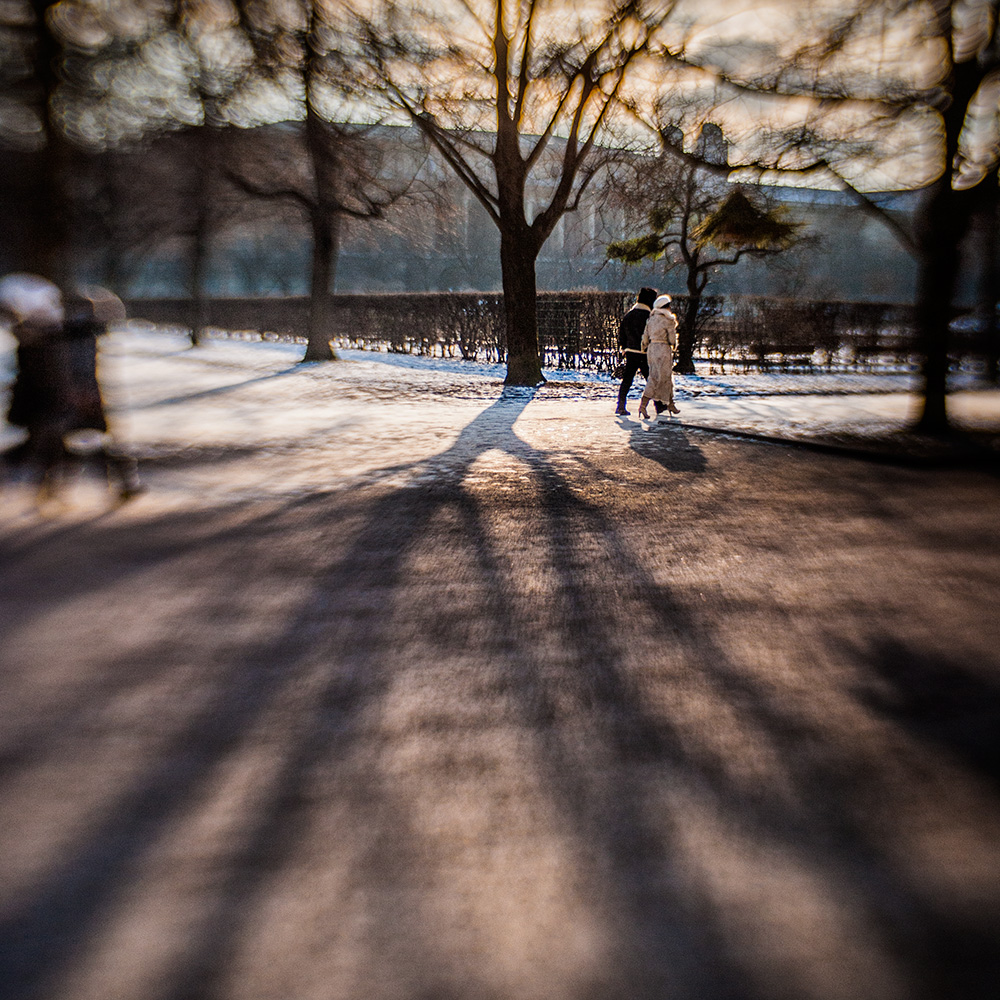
[621, 412]
[672, 409]
[130, 491]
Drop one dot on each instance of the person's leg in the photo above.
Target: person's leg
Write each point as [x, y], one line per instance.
[46, 456]
[632, 365]
[669, 405]
[643, 403]
[121, 466]
[644, 368]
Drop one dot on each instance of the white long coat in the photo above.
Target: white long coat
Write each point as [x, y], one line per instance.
[659, 340]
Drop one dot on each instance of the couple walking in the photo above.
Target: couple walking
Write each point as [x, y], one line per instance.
[648, 336]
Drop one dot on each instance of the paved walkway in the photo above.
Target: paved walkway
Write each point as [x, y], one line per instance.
[548, 708]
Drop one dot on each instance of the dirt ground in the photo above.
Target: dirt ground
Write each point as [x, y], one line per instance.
[535, 714]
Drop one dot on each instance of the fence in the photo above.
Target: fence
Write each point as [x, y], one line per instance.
[576, 329]
[761, 333]
[579, 329]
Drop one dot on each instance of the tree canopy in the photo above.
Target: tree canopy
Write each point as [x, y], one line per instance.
[866, 95]
[696, 222]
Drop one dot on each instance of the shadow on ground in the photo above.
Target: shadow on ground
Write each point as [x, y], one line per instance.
[488, 755]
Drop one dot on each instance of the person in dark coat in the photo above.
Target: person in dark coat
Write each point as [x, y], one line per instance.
[630, 334]
[56, 394]
[40, 396]
[89, 310]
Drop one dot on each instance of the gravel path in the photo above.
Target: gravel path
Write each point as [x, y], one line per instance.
[547, 707]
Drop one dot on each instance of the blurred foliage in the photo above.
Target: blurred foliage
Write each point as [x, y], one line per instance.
[737, 223]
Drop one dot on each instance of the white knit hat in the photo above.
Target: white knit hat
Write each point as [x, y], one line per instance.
[31, 299]
[662, 301]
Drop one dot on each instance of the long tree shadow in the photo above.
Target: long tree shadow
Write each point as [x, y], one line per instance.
[54, 926]
[219, 390]
[939, 702]
[660, 929]
[607, 815]
[343, 636]
[58, 922]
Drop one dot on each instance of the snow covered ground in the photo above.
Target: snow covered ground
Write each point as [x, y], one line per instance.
[554, 705]
[229, 416]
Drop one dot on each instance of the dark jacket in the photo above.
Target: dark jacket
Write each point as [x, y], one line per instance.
[40, 395]
[80, 337]
[56, 386]
[632, 326]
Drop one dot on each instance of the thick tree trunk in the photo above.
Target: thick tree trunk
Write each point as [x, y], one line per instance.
[937, 270]
[944, 221]
[987, 280]
[686, 334]
[205, 162]
[114, 196]
[325, 222]
[324, 246]
[200, 236]
[517, 263]
[39, 236]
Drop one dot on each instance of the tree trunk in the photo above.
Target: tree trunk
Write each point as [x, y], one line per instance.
[689, 327]
[988, 280]
[517, 263]
[114, 197]
[944, 221]
[937, 269]
[325, 222]
[39, 239]
[205, 162]
[324, 242]
[198, 265]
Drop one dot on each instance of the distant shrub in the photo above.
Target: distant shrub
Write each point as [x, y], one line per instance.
[576, 329]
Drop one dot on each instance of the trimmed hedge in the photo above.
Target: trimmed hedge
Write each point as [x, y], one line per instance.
[576, 329]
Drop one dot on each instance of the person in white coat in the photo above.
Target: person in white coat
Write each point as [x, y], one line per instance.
[658, 341]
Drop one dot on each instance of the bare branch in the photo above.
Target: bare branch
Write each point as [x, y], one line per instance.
[905, 238]
[270, 192]
[527, 51]
[447, 147]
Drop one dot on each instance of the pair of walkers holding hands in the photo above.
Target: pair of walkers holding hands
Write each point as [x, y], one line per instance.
[647, 336]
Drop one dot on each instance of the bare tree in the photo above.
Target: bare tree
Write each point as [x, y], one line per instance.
[330, 170]
[201, 47]
[968, 79]
[696, 222]
[38, 158]
[126, 202]
[327, 172]
[212, 80]
[918, 80]
[103, 79]
[516, 98]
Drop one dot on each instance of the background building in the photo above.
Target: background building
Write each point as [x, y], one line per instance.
[138, 216]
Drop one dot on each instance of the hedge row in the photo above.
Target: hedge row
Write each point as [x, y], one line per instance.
[576, 329]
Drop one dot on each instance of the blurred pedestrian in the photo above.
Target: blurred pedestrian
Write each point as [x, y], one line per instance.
[658, 341]
[40, 394]
[630, 341]
[56, 396]
[88, 312]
